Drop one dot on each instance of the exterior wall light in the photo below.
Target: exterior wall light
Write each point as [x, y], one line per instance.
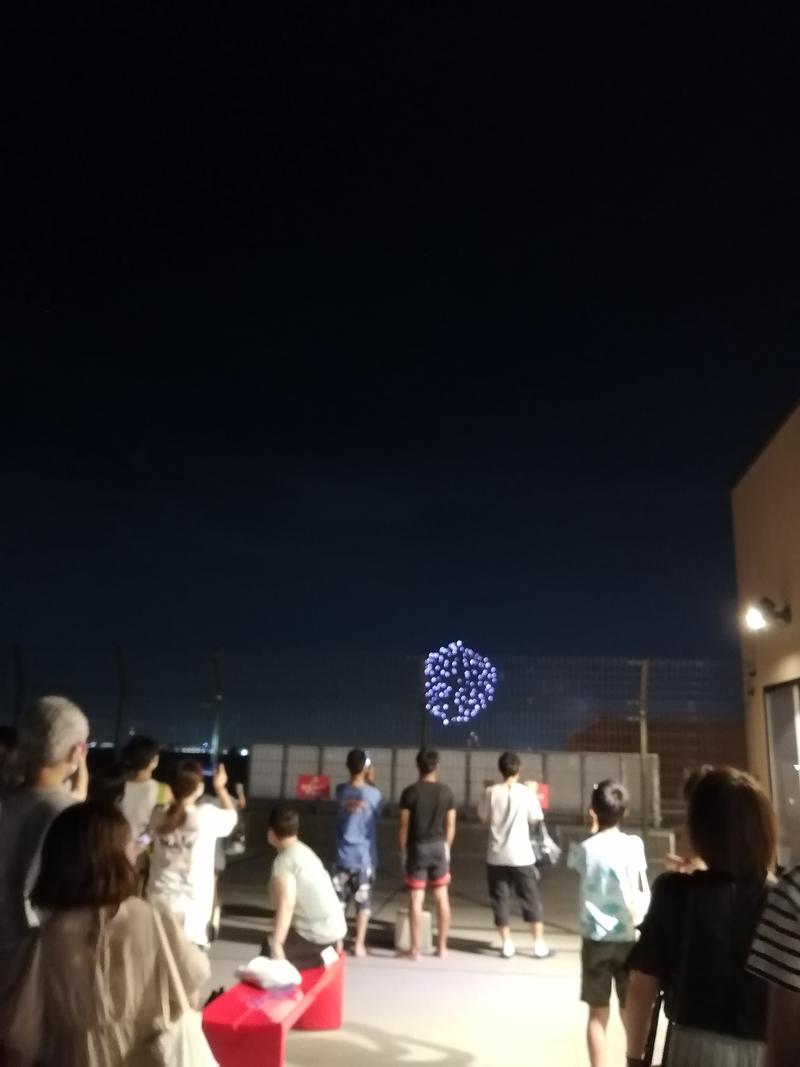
[762, 615]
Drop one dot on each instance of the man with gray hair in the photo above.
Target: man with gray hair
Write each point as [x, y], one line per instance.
[52, 743]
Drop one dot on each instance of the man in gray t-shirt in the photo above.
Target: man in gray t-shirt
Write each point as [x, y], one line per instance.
[52, 744]
[308, 915]
[25, 818]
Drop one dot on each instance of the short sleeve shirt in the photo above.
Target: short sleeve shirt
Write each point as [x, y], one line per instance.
[510, 810]
[609, 864]
[695, 939]
[357, 811]
[138, 803]
[25, 818]
[318, 915]
[428, 804]
[775, 952]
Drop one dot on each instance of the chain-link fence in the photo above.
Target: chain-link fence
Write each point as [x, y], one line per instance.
[590, 704]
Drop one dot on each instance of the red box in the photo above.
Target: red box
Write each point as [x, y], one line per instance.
[313, 787]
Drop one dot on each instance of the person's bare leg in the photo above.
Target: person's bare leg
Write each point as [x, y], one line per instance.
[596, 1036]
[505, 933]
[441, 896]
[362, 923]
[416, 898]
[540, 948]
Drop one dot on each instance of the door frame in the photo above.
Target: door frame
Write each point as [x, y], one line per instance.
[794, 685]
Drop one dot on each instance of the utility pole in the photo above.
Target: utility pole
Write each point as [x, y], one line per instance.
[644, 769]
[216, 696]
[424, 718]
[19, 680]
[122, 696]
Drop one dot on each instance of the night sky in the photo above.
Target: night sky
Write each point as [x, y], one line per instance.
[364, 326]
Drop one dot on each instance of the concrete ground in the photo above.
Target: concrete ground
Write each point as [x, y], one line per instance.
[472, 1009]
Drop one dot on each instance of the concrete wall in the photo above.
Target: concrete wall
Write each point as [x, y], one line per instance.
[766, 520]
[571, 775]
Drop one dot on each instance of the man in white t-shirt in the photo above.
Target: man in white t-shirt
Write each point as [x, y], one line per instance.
[308, 915]
[510, 809]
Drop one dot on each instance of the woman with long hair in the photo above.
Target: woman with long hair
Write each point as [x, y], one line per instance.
[696, 935]
[93, 980]
[184, 841]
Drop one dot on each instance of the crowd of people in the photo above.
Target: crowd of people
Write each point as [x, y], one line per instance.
[107, 900]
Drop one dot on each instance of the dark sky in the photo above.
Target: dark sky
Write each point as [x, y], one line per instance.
[369, 326]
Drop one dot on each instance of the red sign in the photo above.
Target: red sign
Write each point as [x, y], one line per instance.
[543, 793]
[313, 787]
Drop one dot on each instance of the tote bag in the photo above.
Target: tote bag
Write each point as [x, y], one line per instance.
[182, 1042]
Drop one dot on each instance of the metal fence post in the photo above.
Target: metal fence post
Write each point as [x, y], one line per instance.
[19, 680]
[424, 722]
[644, 770]
[122, 696]
[216, 692]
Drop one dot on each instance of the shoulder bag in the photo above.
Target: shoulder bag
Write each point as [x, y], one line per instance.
[181, 1042]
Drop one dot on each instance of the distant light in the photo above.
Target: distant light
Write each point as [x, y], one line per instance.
[754, 619]
[244, 751]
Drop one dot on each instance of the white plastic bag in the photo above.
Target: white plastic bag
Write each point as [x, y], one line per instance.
[269, 974]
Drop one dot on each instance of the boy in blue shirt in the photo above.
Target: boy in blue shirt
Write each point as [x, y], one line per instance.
[358, 806]
[613, 898]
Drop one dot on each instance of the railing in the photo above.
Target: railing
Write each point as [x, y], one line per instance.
[275, 770]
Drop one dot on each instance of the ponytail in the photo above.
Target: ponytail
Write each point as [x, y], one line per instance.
[189, 776]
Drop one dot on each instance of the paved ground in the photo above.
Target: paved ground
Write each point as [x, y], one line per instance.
[472, 1009]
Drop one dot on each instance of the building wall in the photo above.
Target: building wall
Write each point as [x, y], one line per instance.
[766, 520]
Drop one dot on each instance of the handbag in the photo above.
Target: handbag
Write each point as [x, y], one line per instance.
[546, 853]
[182, 1042]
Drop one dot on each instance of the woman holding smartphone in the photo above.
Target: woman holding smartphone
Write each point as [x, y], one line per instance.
[184, 842]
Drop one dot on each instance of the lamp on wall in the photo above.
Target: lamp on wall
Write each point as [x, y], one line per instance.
[764, 613]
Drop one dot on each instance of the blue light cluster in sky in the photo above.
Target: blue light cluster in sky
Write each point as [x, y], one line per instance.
[459, 683]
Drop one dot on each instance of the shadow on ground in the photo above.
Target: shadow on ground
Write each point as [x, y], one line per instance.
[364, 1046]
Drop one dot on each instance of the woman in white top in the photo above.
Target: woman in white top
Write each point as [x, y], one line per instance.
[141, 794]
[511, 808]
[184, 840]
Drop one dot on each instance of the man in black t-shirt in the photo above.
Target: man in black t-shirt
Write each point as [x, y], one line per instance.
[427, 829]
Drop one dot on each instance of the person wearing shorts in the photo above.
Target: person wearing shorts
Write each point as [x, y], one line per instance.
[510, 809]
[427, 830]
[358, 806]
[612, 870]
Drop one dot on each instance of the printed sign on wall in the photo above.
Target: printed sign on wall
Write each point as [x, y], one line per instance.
[313, 787]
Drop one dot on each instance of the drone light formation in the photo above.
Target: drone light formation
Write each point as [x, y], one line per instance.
[459, 683]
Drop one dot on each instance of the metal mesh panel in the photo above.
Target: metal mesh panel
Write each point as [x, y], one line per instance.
[544, 703]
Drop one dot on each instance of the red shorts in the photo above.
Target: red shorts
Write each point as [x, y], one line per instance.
[427, 864]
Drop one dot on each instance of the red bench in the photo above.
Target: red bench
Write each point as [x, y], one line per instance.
[247, 1027]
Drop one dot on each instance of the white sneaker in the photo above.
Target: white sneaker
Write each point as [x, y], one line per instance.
[541, 951]
[508, 950]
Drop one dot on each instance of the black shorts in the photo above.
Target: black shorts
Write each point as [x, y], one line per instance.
[303, 954]
[520, 880]
[602, 961]
[355, 885]
[427, 864]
